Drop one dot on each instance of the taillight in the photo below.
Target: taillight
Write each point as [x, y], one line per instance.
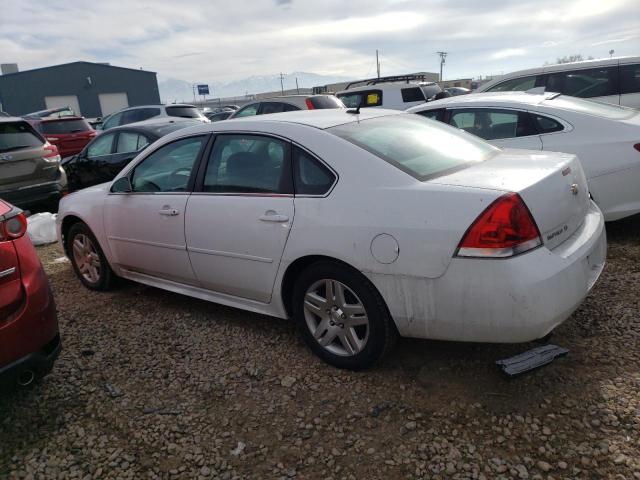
[637, 146]
[13, 228]
[310, 104]
[51, 154]
[506, 228]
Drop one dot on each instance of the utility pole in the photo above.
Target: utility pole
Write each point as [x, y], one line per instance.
[377, 63]
[281, 84]
[193, 90]
[443, 55]
[297, 88]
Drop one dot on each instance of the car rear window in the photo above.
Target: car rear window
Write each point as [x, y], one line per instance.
[326, 101]
[422, 148]
[184, 112]
[18, 135]
[362, 98]
[591, 107]
[412, 94]
[64, 126]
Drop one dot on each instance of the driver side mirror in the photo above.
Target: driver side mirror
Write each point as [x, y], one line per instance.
[122, 185]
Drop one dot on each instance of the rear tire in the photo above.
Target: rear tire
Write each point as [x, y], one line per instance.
[88, 260]
[342, 317]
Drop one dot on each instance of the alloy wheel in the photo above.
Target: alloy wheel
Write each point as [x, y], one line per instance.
[86, 258]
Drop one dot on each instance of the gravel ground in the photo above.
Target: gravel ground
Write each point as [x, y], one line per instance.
[155, 385]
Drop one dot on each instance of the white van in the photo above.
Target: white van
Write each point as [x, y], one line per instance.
[397, 93]
[612, 80]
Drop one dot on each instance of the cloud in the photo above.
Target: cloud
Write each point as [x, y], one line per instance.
[508, 52]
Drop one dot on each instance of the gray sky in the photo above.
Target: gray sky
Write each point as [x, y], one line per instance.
[214, 40]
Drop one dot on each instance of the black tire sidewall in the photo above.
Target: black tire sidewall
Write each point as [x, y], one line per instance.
[379, 319]
[106, 274]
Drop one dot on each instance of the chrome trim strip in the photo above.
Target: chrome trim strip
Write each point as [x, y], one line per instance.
[224, 194]
[8, 272]
[144, 242]
[230, 254]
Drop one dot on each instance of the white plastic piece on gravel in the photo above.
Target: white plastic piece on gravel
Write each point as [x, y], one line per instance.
[41, 228]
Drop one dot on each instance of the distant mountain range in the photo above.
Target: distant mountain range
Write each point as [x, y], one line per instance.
[175, 90]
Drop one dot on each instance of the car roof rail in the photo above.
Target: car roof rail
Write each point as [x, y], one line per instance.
[394, 78]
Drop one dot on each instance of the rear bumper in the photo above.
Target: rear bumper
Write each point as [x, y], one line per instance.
[513, 300]
[28, 196]
[40, 363]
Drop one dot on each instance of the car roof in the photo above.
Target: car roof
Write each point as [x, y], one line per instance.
[321, 119]
[387, 86]
[493, 98]
[12, 119]
[156, 127]
[60, 119]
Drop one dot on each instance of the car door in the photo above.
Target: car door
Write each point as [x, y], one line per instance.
[502, 127]
[238, 222]
[145, 227]
[88, 168]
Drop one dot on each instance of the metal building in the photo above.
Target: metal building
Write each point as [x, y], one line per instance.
[90, 89]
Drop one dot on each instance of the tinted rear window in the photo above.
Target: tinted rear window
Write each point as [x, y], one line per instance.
[18, 135]
[589, 107]
[185, 112]
[326, 102]
[417, 146]
[366, 98]
[412, 94]
[64, 126]
[629, 78]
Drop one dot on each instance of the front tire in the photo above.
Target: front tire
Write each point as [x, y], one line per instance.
[88, 260]
[342, 317]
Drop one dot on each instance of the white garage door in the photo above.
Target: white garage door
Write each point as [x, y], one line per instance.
[63, 101]
[112, 102]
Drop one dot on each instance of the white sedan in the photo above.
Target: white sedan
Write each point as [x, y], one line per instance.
[361, 226]
[605, 137]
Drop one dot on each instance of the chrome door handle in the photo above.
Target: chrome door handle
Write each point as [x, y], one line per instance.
[170, 212]
[271, 216]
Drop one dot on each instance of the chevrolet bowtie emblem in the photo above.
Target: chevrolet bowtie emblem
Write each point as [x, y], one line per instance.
[575, 189]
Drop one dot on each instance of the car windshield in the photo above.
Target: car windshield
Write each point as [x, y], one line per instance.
[591, 107]
[420, 147]
[184, 112]
[17, 135]
[64, 126]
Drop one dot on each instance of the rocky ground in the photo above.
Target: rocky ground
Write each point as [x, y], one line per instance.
[155, 385]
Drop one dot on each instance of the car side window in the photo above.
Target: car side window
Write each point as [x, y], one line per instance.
[630, 78]
[139, 114]
[593, 82]
[101, 146]
[131, 142]
[412, 94]
[247, 111]
[369, 98]
[112, 121]
[437, 114]
[546, 124]
[492, 124]
[244, 163]
[515, 84]
[272, 107]
[310, 176]
[168, 169]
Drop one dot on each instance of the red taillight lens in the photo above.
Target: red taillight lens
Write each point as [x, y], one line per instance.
[506, 228]
[12, 228]
[310, 104]
[52, 155]
[637, 146]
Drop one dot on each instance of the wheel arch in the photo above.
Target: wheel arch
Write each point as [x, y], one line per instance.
[68, 222]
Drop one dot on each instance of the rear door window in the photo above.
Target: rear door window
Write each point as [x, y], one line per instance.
[276, 107]
[492, 124]
[113, 121]
[184, 112]
[630, 78]
[140, 114]
[593, 82]
[412, 94]
[515, 85]
[64, 126]
[18, 135]
[363, 98]
[311, 177]
[437, 114]
[244, 163]
[546, 124]
[131, 142]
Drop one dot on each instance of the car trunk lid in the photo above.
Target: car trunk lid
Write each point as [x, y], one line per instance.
[552, 185]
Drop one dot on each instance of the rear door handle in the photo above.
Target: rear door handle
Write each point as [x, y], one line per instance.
[170, 212]
[272, 216]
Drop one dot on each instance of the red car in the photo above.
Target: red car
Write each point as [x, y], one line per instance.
[29, 338]
[69, 134]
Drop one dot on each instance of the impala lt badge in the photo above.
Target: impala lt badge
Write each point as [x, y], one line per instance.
[574, 188]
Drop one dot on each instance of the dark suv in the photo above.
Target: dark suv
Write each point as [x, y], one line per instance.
[30, 172]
